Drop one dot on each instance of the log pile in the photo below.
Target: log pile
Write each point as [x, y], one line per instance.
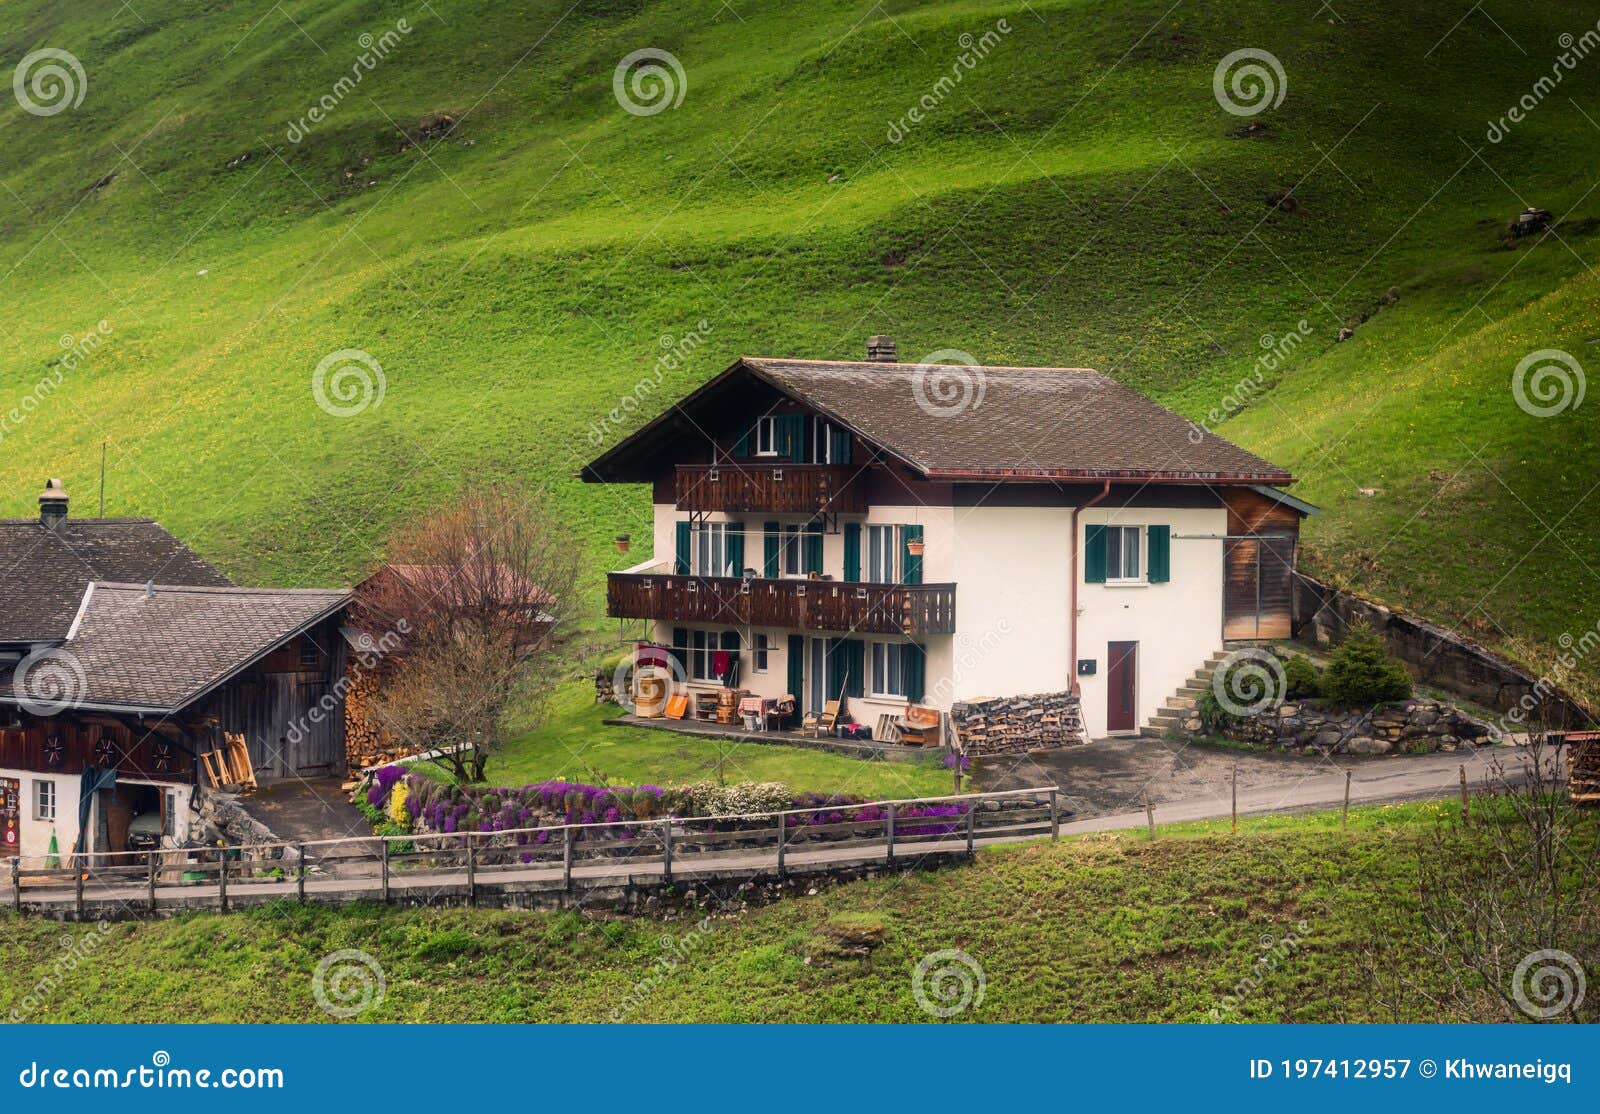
[1018, 723]
[366, 743]
[1583, 771]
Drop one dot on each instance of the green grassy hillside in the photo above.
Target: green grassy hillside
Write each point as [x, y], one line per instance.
[1078, 197]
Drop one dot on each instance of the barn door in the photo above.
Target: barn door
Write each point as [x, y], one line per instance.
[1258, 591]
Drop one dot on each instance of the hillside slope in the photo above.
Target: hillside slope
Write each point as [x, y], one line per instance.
[1080, 196]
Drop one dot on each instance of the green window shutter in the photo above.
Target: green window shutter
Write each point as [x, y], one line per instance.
[910, 563]
[852, 551]
[833, 674]
[736, 548]
[914, 667]
[1094, 555]
[839, 446]
[856, 663]
[680, 564]
[790, 430]
[741, 442]
[813, 551]
[770, 542]
[1160, 548]
[797, 668]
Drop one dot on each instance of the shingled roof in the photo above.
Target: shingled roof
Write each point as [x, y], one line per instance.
[978, 423]
[159, 650]
[44, 570]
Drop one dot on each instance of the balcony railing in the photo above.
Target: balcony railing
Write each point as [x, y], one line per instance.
[816, 605]
[772, 488]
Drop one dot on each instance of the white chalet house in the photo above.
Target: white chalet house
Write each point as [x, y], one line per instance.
[825, 527]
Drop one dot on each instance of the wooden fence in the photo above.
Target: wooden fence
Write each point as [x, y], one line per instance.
[562, 857]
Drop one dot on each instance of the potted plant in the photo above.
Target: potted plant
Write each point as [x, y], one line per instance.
[916, 548]
[623, 542]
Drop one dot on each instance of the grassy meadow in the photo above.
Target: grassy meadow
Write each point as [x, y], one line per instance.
[1079, 197]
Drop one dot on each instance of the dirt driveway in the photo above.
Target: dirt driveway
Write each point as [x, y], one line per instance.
[1111, 776]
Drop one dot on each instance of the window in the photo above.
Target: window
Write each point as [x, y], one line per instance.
[766, 436]
[711, 550]
[44, 800]
[1122, 554]
[702, 644]
[758, 656]
[888, 669]
[310, 658]
[883, 551]
[825, 444]
[793, 553]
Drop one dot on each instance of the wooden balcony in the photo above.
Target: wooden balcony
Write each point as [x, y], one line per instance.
[772, 488]
[812, 605]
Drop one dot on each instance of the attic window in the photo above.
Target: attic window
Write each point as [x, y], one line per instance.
[310, 656]
[766, 436]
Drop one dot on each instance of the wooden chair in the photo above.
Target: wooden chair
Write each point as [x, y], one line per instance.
[830, 716]
[920, 726]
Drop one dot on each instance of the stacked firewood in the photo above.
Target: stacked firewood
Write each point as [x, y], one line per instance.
[1583, 777]
[366, 743]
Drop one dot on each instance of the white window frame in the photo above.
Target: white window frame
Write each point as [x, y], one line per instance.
[702, 644]
[764, 437]
[710, 550]
[43, 810]
[888, 670]
[1117, 570]
[759, 651]
[791, 551]
[874, 560]
[822, 442]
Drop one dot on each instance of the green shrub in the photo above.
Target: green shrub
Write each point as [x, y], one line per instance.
[1301, 678]
[1213, 715]
[1361, 673]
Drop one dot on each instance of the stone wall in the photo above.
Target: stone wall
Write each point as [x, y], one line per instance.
[1017, 723]
[1412, 727]
[1437, 656]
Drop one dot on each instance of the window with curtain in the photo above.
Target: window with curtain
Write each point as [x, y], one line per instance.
[888, 669]
[711, 549]
[1123, 554]
[883, 552]
[702, 645]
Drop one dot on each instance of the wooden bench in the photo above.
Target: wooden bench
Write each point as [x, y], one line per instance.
[920, 726]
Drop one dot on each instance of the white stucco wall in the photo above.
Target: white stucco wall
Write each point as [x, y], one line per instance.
[35, 838]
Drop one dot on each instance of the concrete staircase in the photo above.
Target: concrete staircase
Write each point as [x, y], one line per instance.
[1181, 705]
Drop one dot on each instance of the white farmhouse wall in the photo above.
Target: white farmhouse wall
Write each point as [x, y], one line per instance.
[1177, 625]
[35, 837]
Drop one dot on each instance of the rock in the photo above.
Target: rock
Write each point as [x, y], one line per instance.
[1193, 725]
[1287, 710]
[1328, 739]
[1345, 333]
[1365, 744]
[1423, 716]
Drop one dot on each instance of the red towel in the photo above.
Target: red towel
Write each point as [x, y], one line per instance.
[721, 662]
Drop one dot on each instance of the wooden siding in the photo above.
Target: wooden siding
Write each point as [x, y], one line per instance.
[1258, 592]
[770, 488]
[135, 751]
[1250, 512]
[816, 605]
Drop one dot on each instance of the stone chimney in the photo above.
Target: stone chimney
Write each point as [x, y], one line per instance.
[52, 504]
[880, 350]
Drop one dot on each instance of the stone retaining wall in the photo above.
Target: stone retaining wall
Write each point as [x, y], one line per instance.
[1412, 727]
[1437, 656]
[1018, 723]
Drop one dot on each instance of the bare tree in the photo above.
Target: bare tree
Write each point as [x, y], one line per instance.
[1507, 905]
[480, 591]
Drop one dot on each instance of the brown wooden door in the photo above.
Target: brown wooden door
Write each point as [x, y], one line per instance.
[1121, 686]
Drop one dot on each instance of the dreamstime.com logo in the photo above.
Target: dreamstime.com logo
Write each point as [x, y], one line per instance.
[348, 983]
[649, 81]
[1548, 382]
[948, 982]
[1249, 81]
[347, 382]
[1248, 682]
[948, 382]
[49, 681]
[49, 81]
[1548, 983]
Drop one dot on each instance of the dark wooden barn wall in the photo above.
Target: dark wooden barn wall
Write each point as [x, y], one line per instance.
[1258, 590]
[137, 750]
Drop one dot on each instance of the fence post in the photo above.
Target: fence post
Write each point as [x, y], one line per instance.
[1149, 815]
[385, 842]
[16, 882]
[153, 856]
[888, 831]
[300, 879]
[1344, 812]
[472, 869]
[1055, 817]
[566, 857]
[222, 878]
[1235, 806]
[77, 876]
[783, 839]
[666, 851]
[1466, 805]
[972, 810]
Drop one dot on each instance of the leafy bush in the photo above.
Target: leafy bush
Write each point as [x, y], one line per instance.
[707, 798]
[1301, 678]
[1361, 673]
[1213, 715]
